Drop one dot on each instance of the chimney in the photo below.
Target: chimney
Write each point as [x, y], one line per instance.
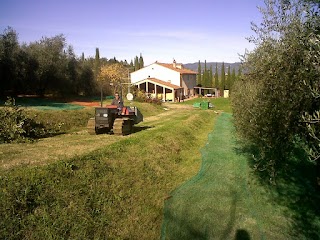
[174, 63]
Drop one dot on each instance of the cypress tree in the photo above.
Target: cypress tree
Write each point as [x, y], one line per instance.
[210, 77]
[97, 64]
[223, 80]
[216, 77]
[136, 63]
[141, 63]
[199, 74]
[233, 77]
[203, 80]
[97, 72]
[205, 75]
[239, 72]
[131, 64]
[228, 79]
[82, 57]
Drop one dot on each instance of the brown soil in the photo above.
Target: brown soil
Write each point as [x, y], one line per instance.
[86, 104]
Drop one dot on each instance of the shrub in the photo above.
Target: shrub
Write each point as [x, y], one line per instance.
[15, 125]
[141, 96]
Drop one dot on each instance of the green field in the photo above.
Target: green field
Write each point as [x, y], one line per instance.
[78, 186]
[218, 103]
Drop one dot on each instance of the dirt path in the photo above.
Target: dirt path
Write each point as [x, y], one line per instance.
[63, 146]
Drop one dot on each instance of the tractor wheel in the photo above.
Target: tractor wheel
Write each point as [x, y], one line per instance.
[91, 125]
[122, 126]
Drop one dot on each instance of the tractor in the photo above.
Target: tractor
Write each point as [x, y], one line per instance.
[110, 119]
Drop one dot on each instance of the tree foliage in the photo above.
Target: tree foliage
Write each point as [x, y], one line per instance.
[9, 50]
[270, 100]
[229, 81]
[233, 78]
[223, 80]
[216, 77]
[199, 81]
[136, 63]
[211, 81]
[141, 62]
[113, 75]
[48, 66]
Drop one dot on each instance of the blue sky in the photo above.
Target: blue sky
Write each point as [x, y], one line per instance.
[188, 31]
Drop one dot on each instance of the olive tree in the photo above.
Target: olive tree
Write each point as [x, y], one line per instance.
[274, 94]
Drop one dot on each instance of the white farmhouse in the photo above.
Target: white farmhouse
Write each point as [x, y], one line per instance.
[166, 81]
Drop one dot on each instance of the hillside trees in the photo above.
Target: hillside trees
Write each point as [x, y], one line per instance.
[280, 85]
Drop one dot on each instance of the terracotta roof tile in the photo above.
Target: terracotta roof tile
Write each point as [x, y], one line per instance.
[164, 83]
[182, 70]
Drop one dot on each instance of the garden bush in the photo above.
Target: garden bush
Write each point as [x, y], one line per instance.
[16, 125]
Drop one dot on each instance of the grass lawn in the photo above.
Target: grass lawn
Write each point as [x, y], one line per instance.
[111, 187]
[116, 191]
[220, 104]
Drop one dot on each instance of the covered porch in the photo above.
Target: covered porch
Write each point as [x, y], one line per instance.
[206, 90]
[156, 88]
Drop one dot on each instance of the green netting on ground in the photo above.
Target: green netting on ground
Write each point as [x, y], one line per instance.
[216, 203]
[59, 106]
[46, 104]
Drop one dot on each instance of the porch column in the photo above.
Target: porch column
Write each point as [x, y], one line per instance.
[155, 91]
[164, 95]
[147, 87]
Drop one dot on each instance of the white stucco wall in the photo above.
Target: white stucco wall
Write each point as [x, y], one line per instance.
[156, 71]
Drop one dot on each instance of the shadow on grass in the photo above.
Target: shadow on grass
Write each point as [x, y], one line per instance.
[140, 128]
[192, 224]
[296, 188]
[242, 234]
[198, 219]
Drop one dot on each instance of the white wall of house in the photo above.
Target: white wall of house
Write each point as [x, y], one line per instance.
[156, 71]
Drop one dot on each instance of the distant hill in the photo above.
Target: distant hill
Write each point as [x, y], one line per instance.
[194, 66]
